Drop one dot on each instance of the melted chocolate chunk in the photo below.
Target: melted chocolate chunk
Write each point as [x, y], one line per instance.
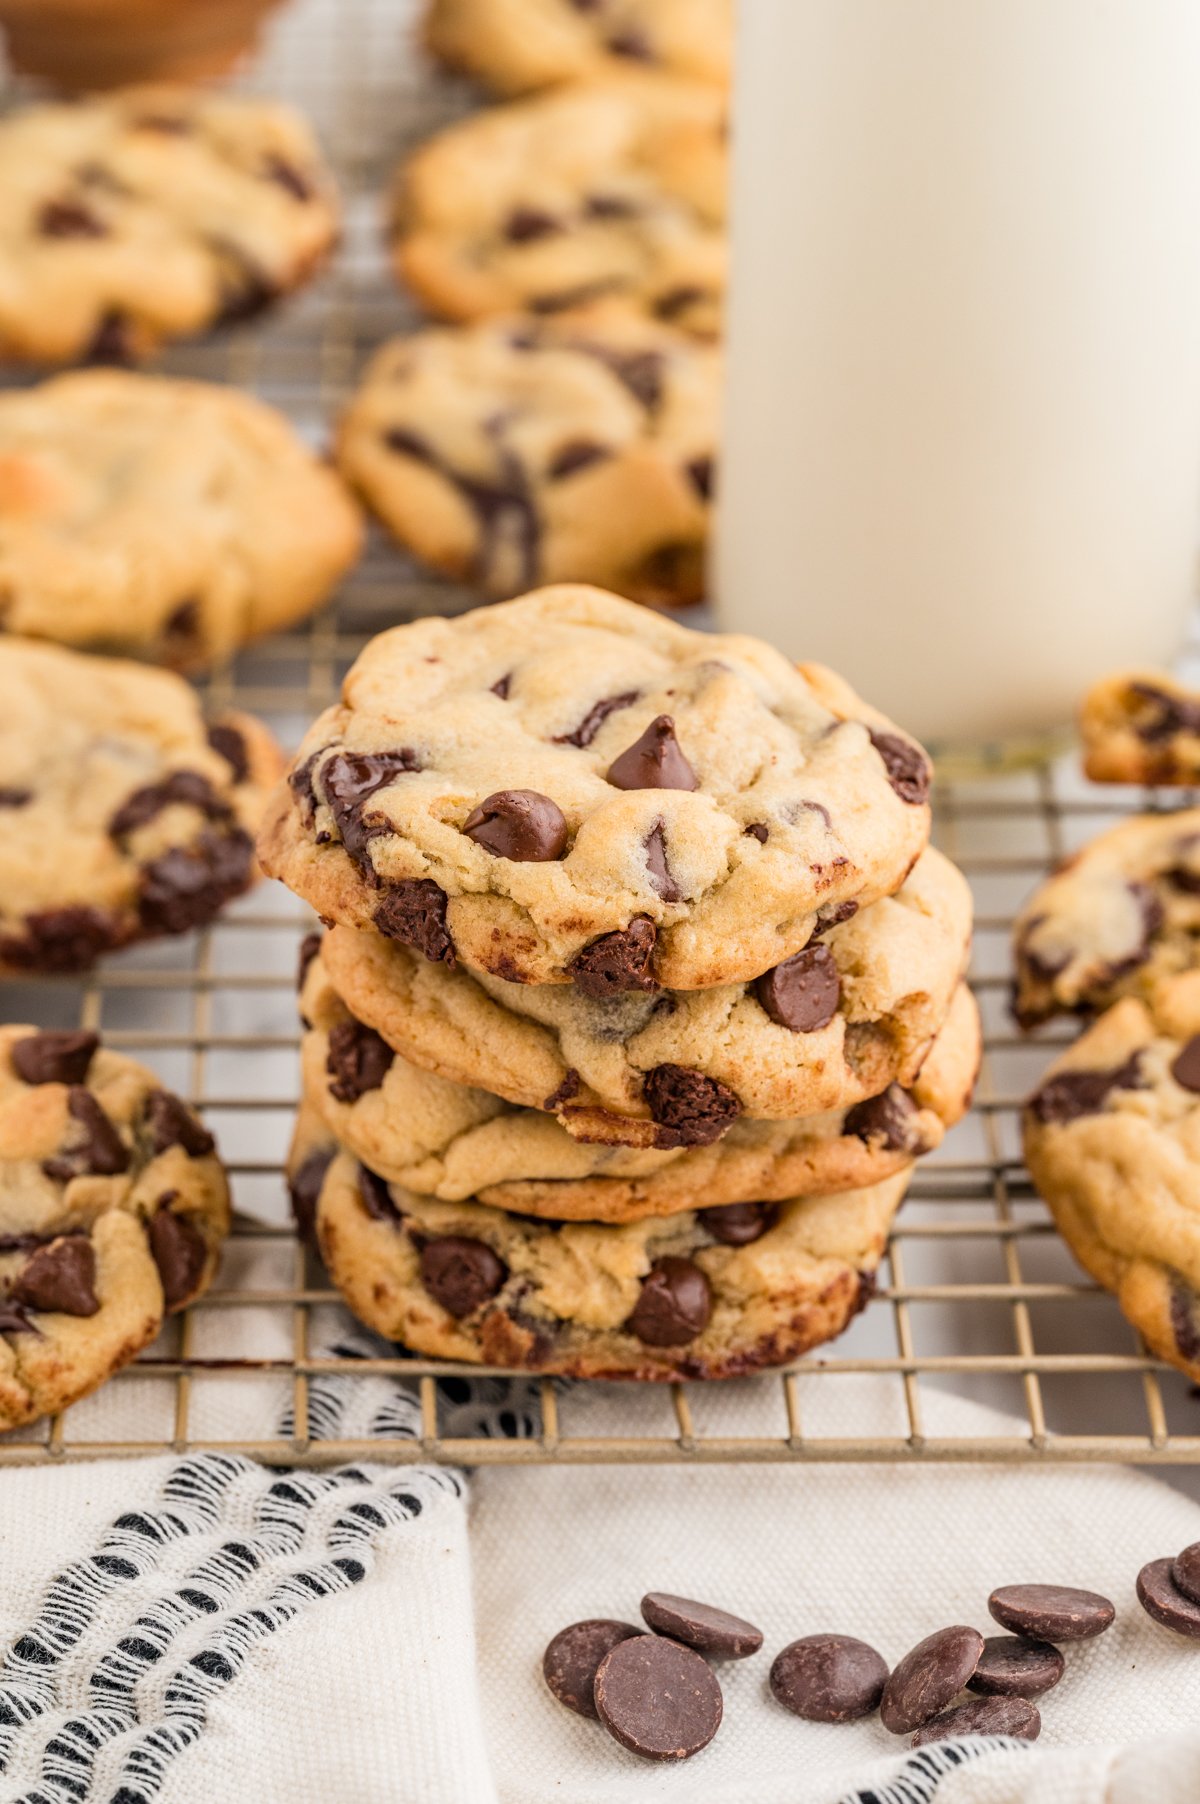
[1072, 1094]
[59, 1278]
[757, 830]
[304, 1188]
[617, 962]
[168, 1122]
[182, 788]
[832, 915]
[349, 780]
[804, 992]
[310, 945]
[659, 871]
[359, 1059]
[566, 1090]
[891, 1119]
[300, 782]
[518, 824]
[228, 743]
[700, 469]
[285, 175]
[525, 225]
[60, 939]
[739, 1224]
[674, 1306]
[187, 887]
[1166, 714]
[99, 1151]
[1185, 1066]
[54, 1057]
[178, 1249]
[13, 1320]
[15, 798]
[69, 219]
[414, 912]
[461, 1274]
[695, 1109]
[906, 765]
[114, 344]
[654, 761]
[577, 454]
[594, 719]
[376, 1196]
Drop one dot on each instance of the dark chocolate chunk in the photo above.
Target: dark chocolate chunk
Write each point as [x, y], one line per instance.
[832, 915]
[569, 1663]
[525, 225]
[1185, 1319]
[376, 1196]
[738, 1224]
[99, 1151]
[566, 1090]
[349, 780]
[983, 1716]
[803, 993]
[358, 1060]
[178, 1249]
[310, 945]
[502, 685]
[929, 1678]
[661, 879]
[1185, 1571]
[414, 912]
[617, 962]
[1051, 1612]
[285, 175]
[1185, 1066]
[230, 744]
[60, 939]
[676, 301]
[829, 1678]
[1162, 1598]
[304, 1187]
[461, 1273]
[1011, 1666]
[69, 219]
[658, 1699]
[185, 888]
[169, 1122]
[577, 454]
[300, 782]
[410, 444]
[518, 824]
[697, 1109]
[700, 469]
[594, 719]
[15, 798]
[890, 1119]
[59, 1278]
[182, 788]
[13, 1320]
[709, 1630]
[674, 1306]
[641, 372]
[907, 766]
[1165, 715]
[654, 761]
[632, 44]
[1072, 1094]
[54, 1057]
[758, 830]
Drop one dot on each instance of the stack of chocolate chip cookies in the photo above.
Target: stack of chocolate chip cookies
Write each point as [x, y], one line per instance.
[641, 990]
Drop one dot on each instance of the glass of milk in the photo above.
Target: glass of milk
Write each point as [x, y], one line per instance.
[962, 438]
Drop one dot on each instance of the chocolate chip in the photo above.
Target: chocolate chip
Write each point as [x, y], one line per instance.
[304, 1188]
[617, 962]
[414, 912]
[983, 1716]
[565, 1091]
[310, 945]
[658, 870]
[829, 1678]
[569, 1663]
[654, 761]
[377, 1196]
[100, 1152]
[1162, 1598]
[757, 830]
[461, 1273]
[676, 301]
[674, 1306]
[182, 788]
[891, 1119]
[658, 1699]
[1051, 1612]
[54, 1057]
[59, 1278]
[179, 1250]
[185, 888]
[285, 175]
[1168, 714]
[611, 206]
[1185, 1066]
[502, 686]
[708, 1630]
[700, 469]
[407, 443]
[738, 1224]
[246, 289]
[1184, 1324]
[1011, 1666]
[349, 780]
[60, 940]
[358, 1060]
[525, 225]
[577, 454]
[928, 1678]
[169, 1122]
[641, 372]
[230, 744]
[69, 219]
[13, 1320]
[832, 915]
[1185, 1571]
[631, 44]
[594, 719]
[113, 344]
[697, 1109]
[1072, 1094]
[518, 824]
[15, 798]
[803, 993]
[906, 765]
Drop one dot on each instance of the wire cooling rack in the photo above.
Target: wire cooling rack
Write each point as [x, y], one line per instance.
[977, 1297]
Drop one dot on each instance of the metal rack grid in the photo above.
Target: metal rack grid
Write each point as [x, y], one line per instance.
[976, 1296]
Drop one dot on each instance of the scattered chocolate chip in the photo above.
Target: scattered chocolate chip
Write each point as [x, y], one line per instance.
[617, 962]
[376, 1196]
[349, 780]
[658, 1699]
[983, 1716]
[100, 1152]
[757, 830]
[738, 1224]
[929, 1678]
[659, 871]
[186, 887]
[654, 761]
[178, 1249]
[60, 940]
[1185, 1571]
[696, 1108]
[708, 1630]
[285, 175]
[15, 798]
[502, 686]
[1185, 1066]
[674, 1306]
[461, 1273]
[594, 719]
[114, 344]
[891, 1119]
[1162, 1598]
[414, 912]
[677, 301]
[832, 915]
[566, 1090]
[358, 1060]
[230, 744]
[1051, 1612]
[829, 1678]
[169, 1122]
[54, 1057]
[1011, 1666]
[518, 824]
[59, 1278]
[569, 1663]
[182, 788]
[1072, 1094]
[577, 454]
[803, 993]
[69, 219]
[906, 765]
[304, 1188]
[310, 945]
[701, 472]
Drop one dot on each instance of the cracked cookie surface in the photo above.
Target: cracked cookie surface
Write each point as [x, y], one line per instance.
[518, 45]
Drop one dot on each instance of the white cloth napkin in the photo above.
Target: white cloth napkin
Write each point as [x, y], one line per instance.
[201, 1628]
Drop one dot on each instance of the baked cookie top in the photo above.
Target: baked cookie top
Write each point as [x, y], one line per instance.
[174, 520]
[610, 190]
[839, 1021]
[149, 214]
[1141, 727]
[1114, 920]
[113, 1209]
[124, 817]
[684, 1297]
[521, 452]
[517, 45]
[569, 788]
[1112, 1140]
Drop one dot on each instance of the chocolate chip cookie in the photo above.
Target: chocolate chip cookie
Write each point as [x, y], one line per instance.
[1142, 727]
[1112, 1141]
[1115, 920]
[568, 788]
[610, 190]
[681, 1298]
[123, 816]
[451, 1141]
[518, 45]
[113, 1209]
[151, 214]
[515, 453]
[170, 520]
